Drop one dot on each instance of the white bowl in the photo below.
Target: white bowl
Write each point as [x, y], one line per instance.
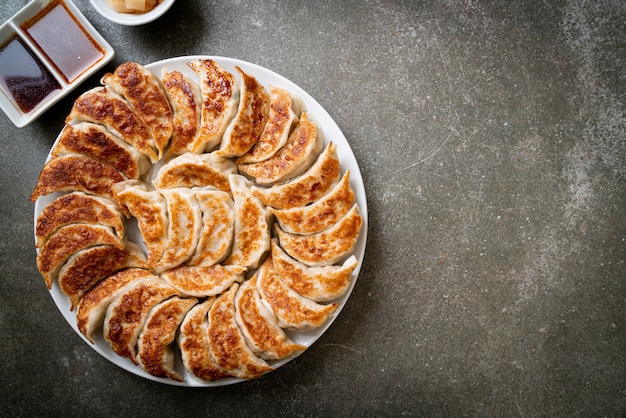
[131, 19]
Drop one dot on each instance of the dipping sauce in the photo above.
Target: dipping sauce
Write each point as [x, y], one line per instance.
[24, 77]
[63, 40]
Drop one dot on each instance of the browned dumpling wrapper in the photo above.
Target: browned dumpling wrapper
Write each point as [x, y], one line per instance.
[321, 284]
[185, 99]
[78, 207]
[143, 90]
[227, 344]
[326, 247]
[97, 142]
[127, 314]
[105, 107]
[94, 304]
[308, 187]
[319, 215]
[196, 170]
[283, 113]
[69, 240]
[220, 97]
[204, 280]
[246, 127]
[194, 344]
[87, 267]
[155, 352]
[150, 209]
[293, 310]
[75, 172]
[260, 326]
[303, 146]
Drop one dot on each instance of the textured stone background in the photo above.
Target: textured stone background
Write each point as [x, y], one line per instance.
[491, 139]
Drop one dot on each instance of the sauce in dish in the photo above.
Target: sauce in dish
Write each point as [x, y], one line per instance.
[63, 40]
[24, 77]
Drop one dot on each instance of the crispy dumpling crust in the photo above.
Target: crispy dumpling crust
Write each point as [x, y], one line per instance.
[92, 307]
[78, 207]
[220, 97]
[226, 342]
[308, 187]
[319, 215]
[75, 172]
[185, 99]
[87, 267]
[95, 141]
[260, 326]
[194, 344]
[326, 247]
[282, 114]
[303, 145]
[196, 170]
[246, 128]
[150, 209]
[127, 314]
[69, 240]
[292, 310]
[204, 281]
[320, 284]
[143, 90]
[103, 106]
[155, 354]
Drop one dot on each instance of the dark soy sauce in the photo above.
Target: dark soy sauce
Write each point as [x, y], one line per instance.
[24, 77]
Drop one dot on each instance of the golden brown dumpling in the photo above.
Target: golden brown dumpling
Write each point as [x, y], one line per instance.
[227, 344]
[283, 113]
[97, 142]
[320, 284]
[252, 232]
[143, 90]
[260, 326]
[74, 172]
[87, 267]
[127, 314]
[105, 107]
[302, 148]
[155, 352]
[94, 304]
[203, 280]
[67, 241]
[326, 247]
[245, 129]
[194, 344]
[150, 209]
[78, 207]
[292, 310]
[220, 97]
[307, 188]
[185, 99]
[319, 215]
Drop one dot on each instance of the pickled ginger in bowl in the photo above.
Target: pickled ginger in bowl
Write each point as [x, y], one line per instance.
[131, 12]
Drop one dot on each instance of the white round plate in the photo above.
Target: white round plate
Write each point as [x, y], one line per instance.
[131, 19]
[330, 132]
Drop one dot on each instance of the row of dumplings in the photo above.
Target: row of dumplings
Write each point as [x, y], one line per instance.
[236, 160]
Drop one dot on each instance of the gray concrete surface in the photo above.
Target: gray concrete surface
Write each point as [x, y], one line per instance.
[490, 135]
